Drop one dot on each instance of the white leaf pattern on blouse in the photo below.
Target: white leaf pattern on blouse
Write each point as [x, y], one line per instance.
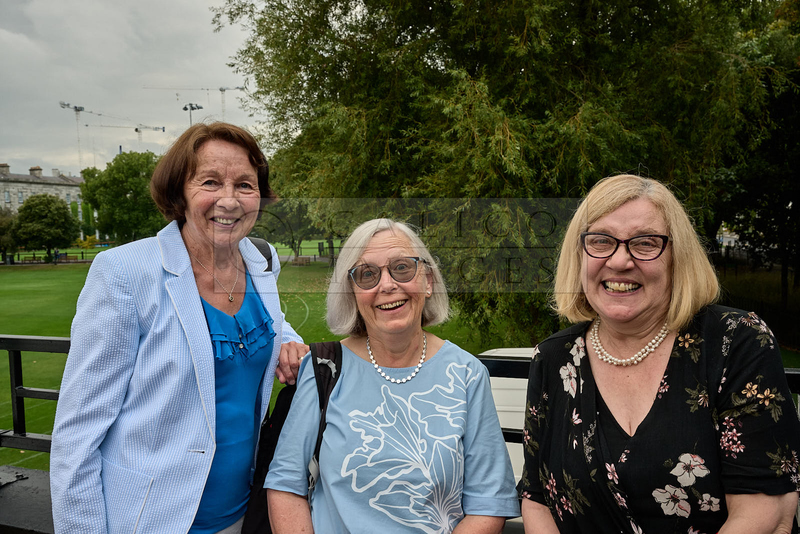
[397, 440]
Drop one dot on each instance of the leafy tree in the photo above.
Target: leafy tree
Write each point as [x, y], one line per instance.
[763, 209]
[7, 222]
[88, 242]
[121, 196]
[495, 99]
[45, 222]
[287, 222]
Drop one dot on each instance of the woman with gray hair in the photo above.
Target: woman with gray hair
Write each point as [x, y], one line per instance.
[413, 441]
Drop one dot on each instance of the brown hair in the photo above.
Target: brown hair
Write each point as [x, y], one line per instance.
[694, 281]
[180, 163]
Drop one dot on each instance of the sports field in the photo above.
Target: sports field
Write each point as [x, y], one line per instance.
[39, 300]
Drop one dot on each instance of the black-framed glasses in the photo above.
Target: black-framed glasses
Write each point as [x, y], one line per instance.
[367, 275]
[641, 247]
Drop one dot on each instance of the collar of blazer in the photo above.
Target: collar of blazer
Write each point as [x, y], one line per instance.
[175, 256]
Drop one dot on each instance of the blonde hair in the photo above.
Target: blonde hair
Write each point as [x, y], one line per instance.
[694, 281]
[342, 310]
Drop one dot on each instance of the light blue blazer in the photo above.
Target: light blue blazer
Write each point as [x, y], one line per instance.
[135, 427]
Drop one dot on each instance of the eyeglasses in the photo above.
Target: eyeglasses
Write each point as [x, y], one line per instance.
[367, 275]
[640, 247]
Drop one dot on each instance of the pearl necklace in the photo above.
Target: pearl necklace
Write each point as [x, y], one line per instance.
[399, 380]
[230, 293]
[633, 360]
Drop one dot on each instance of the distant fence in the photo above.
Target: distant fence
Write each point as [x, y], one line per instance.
[23, 258]
[319, 251]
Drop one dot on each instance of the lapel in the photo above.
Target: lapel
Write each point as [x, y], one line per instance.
[267, 289]
[183, 293]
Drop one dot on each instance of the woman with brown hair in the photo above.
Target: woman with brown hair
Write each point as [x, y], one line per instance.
[175, 343]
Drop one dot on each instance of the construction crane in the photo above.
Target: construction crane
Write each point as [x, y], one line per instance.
[138, 128]
[222, 91]
[78, 110]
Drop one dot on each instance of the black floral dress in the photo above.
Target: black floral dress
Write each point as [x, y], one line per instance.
[723, 422]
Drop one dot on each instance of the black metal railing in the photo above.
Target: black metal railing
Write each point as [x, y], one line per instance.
[18, 437]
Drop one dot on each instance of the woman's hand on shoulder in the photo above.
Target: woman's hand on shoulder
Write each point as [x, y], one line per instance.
[291, 355]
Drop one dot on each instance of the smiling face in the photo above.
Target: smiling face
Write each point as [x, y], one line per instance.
[391, 308]
[222, 198]
[624, 291]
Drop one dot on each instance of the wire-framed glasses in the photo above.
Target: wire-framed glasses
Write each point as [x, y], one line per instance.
[367, 275]
[641, 247]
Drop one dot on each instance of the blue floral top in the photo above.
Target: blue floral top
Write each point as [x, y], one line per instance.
[242, 347]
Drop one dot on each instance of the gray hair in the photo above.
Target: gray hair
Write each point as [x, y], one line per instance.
[342, 315]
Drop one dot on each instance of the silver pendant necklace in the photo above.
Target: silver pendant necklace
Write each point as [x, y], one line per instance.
[399, 380]
[230, 293]
[633, 360]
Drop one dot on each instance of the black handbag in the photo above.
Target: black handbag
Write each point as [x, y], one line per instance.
[326, 359]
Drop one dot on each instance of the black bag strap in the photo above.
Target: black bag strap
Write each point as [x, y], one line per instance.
[326, 358]
[263, 248]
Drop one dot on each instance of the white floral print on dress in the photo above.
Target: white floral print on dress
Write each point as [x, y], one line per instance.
[569, 376]
[673, 501]
[578, 351]
[709, 503]
[690, 466]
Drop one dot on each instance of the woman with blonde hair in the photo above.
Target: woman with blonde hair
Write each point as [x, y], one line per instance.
[658, 411]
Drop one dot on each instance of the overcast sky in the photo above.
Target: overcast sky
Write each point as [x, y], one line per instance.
[102, 55]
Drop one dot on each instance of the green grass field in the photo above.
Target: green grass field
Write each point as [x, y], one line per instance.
[40, 300]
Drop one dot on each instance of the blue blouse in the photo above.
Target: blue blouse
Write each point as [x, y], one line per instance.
[242, 346]
[414, 457]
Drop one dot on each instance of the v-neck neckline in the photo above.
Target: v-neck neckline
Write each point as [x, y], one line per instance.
[598, 397]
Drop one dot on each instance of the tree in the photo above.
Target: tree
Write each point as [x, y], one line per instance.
[287, 222]
[45, 222]
[7, 222]
[121, 196]
[763, 209]
[495, 99]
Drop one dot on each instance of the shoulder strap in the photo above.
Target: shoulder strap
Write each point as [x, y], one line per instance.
[263, 248]
[326, 359]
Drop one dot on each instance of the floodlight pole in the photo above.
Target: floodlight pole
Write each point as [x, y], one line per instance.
[191, 107]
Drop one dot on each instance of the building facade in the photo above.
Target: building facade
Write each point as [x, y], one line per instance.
[16, 188]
